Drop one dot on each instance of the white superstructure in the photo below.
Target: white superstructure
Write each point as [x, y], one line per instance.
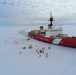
[53, 32]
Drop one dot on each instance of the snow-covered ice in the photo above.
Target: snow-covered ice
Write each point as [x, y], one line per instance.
[14, 60]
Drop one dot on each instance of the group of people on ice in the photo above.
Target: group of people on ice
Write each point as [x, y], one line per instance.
[39, 51]
[42, 51]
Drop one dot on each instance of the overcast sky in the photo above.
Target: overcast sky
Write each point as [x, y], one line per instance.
[23, 11]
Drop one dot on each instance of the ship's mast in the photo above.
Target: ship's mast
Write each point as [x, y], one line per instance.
[51, 19]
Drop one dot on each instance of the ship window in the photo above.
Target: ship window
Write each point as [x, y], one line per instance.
[42, 32]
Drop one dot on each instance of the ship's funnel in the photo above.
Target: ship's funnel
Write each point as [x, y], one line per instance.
[41, 28]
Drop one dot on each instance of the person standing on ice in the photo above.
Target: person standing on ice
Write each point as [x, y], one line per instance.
[49, 47]
[20, 52]
[46, 55]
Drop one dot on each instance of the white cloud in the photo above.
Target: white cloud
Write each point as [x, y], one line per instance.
[28, 9]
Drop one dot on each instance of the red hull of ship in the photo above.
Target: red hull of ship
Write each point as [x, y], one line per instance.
[68, 41]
